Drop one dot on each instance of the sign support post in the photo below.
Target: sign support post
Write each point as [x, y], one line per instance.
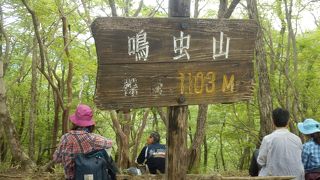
[176, 163]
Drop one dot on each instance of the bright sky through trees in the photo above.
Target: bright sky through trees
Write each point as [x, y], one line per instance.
[307, 13]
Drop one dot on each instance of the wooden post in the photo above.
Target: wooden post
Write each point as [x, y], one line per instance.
[179, 8]
[176, 164]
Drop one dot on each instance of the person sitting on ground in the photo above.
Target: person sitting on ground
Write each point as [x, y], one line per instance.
[79, 139]
[153, 154]
[280, 151]
[311, 149]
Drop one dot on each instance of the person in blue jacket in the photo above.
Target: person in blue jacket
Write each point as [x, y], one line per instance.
[153, 154]
[311, 149]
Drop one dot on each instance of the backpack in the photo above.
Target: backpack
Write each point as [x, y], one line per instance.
[95, 165]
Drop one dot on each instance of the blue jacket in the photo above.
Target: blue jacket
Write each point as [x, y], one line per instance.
[154, 156]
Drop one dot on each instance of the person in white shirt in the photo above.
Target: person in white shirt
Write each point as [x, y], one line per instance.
[280, 151]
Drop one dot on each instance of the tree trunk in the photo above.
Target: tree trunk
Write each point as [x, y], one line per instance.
[22, 118]
[3, 146]
[292, 41]
[48, 75]
[33, 101]
[246, 155]
[179, 8]
[16, 150]
[277, 58]
[155, 123]
[137, 139]
[176, 163]
[221, 145]
[195, 149]
[123, 137]
[55, 123]
[40, 154]
[127, 8]
[222, 8]
[65, 32]
[264, 95]
[126, 128]
[225, 11]
[190, 133]
[205, 153]
[216, 161]
[17, 153]
[113, 8]
[44, 56]
[243, 158]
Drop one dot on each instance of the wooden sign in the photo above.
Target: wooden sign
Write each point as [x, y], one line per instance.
[172, 61]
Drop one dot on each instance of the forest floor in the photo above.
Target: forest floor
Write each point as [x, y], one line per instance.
[18, 174]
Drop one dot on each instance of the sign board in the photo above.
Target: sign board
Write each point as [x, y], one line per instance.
[145, 62]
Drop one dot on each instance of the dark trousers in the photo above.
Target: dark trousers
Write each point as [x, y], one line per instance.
[312, 176]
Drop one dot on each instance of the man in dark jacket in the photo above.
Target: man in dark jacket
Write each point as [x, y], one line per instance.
[254, 166]
[153, 154]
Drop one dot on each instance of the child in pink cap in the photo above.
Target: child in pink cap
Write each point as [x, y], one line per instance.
[79, 139]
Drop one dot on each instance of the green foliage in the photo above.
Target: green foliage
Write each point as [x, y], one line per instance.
[308, 78]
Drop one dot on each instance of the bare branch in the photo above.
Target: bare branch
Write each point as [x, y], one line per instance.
[231, 8]
[137, 139]
[316, 20]
[157, 9]
[163, 116]
[126, 8]
[42, 52]
[87, 13]
[36, 29]
[116, 124]
[139, 9]
[200, 9]
[196, 9]
[7, 42]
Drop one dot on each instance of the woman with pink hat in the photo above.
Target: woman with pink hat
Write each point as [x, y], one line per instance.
[79, 139]
[311, 149]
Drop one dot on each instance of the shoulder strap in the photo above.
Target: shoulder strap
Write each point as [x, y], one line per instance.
[146, 153]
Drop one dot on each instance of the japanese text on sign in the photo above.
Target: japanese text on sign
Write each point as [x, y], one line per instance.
[139, 46]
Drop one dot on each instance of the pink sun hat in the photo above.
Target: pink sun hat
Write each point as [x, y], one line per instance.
[83, 116]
